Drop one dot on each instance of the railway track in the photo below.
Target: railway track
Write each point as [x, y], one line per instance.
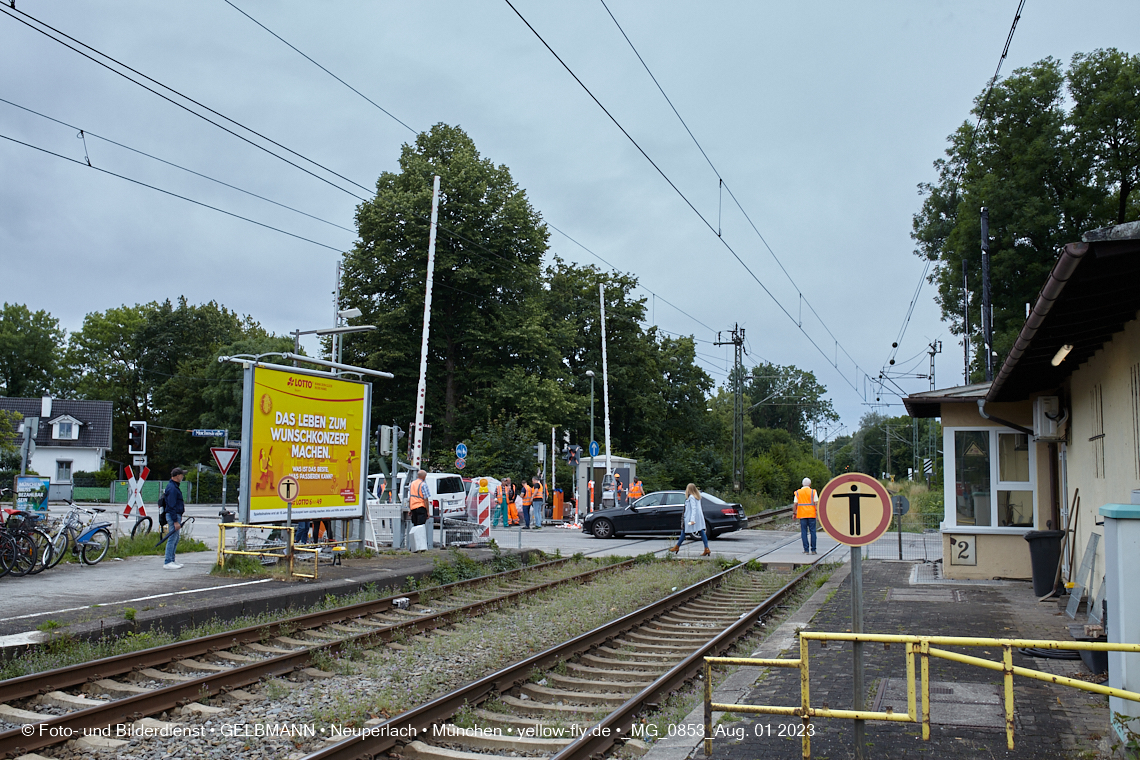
[577, 700]
[133, 686]
[766, 517]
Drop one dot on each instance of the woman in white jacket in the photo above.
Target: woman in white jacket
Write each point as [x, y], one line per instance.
[693, 521]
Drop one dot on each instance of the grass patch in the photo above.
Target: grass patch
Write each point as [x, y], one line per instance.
[144, 546]
[49, 625]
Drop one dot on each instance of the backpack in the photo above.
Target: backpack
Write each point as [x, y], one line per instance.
[162, 509]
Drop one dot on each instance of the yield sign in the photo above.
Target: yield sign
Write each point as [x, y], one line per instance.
[224, 457]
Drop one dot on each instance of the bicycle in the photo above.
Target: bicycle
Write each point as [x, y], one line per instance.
[90, 541]
[32, 543]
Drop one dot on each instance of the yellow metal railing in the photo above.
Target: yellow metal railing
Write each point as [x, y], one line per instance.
[921, 647]
[278, 552]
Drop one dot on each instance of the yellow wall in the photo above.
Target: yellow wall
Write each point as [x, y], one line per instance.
[999, 556]
[1112, 368]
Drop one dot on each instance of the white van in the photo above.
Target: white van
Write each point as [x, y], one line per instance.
[448, 498]
[377, 485]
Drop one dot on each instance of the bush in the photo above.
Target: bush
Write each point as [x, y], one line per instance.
[99, 479]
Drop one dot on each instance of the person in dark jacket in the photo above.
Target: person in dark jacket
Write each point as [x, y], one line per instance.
[175, 507]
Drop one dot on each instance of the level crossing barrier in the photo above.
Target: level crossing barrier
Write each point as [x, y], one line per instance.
[917, 648]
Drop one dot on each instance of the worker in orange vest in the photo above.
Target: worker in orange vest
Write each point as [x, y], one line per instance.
[636, 491]
[502, 497]
[527, 501]
[806, 501]
[619, 497]
[419, 499]
[590, 506]
[538, 501]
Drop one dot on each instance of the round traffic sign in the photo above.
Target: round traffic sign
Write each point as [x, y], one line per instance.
[855, 509]
[460, 464]
[461, 451]
[594, 448]
[288, 489]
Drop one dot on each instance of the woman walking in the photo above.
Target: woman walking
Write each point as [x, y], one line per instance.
[693, 521]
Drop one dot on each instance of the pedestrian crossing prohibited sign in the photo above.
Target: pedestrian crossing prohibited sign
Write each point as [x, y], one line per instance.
[855, 509]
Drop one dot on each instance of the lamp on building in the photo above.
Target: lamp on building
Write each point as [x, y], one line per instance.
[1062, 352]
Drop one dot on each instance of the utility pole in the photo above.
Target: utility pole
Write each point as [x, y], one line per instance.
[737, 341]
[987, 306]
[932, 447]
[966, 323]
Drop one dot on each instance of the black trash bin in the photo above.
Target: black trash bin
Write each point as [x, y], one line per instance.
[1044, 554]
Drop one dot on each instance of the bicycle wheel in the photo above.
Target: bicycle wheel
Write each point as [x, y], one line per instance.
[44, 551]
[95, 548]
[7, 554]
[58, 547]
[143, 526]
[25, 555]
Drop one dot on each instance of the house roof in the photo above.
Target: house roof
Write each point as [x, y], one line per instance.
[1089, 296]
[929, 403]
[95, 432]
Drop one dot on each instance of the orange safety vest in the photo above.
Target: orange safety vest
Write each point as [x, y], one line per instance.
[636, 491]
[528, 495]
[417, 500]
[539, 492]
[806, 500]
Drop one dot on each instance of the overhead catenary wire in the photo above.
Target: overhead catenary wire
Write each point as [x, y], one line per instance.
[167, 192]
[89, 133]
[10, 12]
[707, 223]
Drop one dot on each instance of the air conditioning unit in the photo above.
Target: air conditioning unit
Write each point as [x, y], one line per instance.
[1047, 417]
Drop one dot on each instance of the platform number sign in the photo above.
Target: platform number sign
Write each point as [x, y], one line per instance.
[963, 550]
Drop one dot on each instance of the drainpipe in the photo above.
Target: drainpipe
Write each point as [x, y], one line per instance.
[1007, 423]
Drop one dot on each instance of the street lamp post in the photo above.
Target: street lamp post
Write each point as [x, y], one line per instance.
[590, 476]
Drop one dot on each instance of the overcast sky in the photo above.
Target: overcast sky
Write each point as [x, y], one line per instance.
[821, 117]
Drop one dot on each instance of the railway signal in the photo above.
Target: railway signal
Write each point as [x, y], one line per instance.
[136, 437]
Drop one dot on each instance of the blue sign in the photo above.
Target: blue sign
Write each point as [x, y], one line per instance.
[461, 451]
[460, 464]
[594, 448]
[207, 433]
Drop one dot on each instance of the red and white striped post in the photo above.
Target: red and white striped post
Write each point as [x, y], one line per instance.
[484, 509]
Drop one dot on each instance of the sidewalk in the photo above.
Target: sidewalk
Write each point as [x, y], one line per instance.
[967, 712]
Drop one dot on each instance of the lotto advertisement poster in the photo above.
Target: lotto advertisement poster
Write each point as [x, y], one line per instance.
[308, 444]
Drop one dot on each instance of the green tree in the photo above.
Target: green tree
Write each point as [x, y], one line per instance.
[9, 451]
[1046, 171]
[31, 345]
[787, 398]
[489, 346]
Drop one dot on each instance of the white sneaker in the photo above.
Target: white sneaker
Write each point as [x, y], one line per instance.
[172, 566]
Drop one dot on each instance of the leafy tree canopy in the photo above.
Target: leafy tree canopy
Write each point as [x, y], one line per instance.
[30, 348]
[1058, 153]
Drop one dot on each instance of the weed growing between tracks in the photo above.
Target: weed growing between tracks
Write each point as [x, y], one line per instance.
[391, 681]
[62, 650]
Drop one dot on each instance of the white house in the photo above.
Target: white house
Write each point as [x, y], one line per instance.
[72, 436]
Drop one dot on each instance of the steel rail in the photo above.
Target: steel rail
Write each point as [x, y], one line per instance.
[59, 729]
[73, 675]
[762, 517]
[373, 741]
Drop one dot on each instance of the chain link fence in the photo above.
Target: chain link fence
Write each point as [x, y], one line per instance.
[915, 536]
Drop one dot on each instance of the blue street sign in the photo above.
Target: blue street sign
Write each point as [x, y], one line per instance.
[206, 433]
[460, 464]
[461, 451]
[594, 448]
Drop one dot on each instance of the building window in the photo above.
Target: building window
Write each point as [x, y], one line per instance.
[972, 476]
[63, 471]
[64, 432]
[991, 491]
[1096, 414]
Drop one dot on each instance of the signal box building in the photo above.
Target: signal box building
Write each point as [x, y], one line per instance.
[1061, 418]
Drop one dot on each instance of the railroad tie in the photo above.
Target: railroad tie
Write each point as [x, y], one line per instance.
[11, 714]
[560, 696]
[117, 689]
[69, 701]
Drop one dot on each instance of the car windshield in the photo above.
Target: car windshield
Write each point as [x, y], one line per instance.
[453, 484]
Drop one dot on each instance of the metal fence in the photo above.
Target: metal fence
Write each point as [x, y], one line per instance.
[919, 539]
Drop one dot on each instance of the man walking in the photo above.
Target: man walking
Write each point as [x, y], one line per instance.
[175, 507]
[538, 501]
[502, 497]
[806, 501]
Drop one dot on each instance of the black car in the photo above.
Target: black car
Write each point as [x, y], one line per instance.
[659, 513]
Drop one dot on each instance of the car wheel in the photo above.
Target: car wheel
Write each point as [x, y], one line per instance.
[603, 528]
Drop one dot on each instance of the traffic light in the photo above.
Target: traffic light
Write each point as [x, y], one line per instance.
[136, 438]
[385, 441]
[572, 460]
[540, 452]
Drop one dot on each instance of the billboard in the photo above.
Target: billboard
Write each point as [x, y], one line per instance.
[32, 492]
[312, 428]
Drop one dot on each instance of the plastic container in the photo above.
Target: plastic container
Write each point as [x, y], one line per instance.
[1044, 555]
